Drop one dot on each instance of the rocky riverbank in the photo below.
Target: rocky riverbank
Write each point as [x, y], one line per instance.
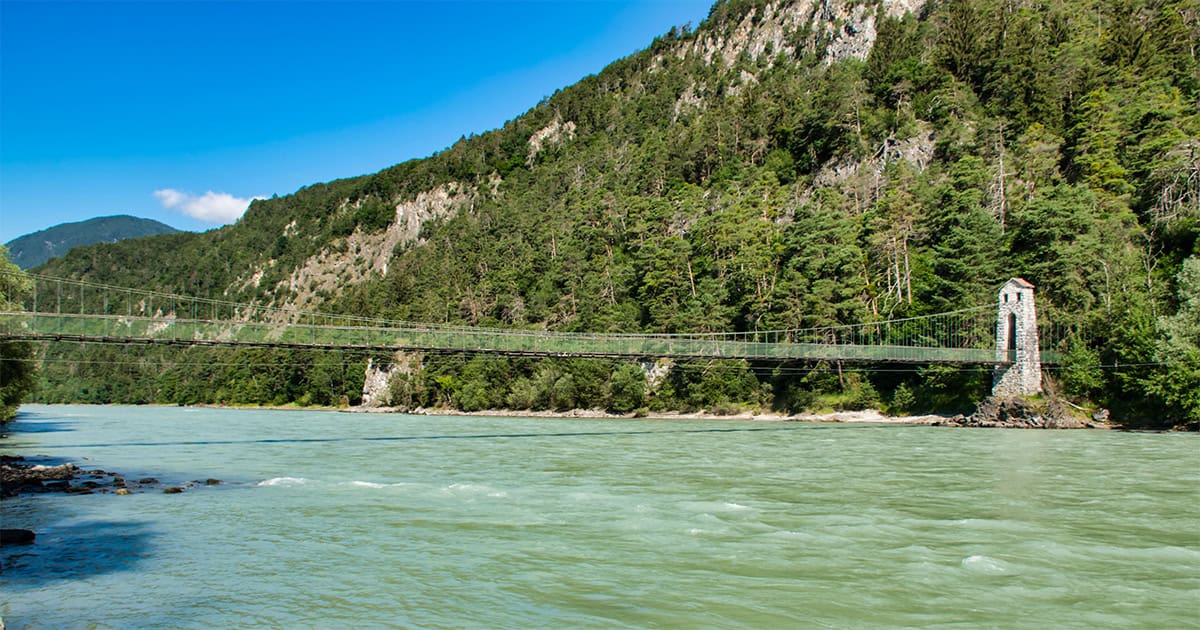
[19, 477]
[992, 412]
[870, 416]
[1016, 412]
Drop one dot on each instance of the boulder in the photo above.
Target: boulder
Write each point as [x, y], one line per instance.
[17, 477]
[16, 536]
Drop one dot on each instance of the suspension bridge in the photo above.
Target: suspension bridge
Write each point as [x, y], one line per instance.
[62, 309]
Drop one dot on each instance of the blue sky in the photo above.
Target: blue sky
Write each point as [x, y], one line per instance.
[161, 109]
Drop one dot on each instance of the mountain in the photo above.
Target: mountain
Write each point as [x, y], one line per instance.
[785, 164]
[34, 249]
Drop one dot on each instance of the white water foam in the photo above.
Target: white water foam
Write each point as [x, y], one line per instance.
[283, 481]
[475, 488]
[365, 484]
[985, 565]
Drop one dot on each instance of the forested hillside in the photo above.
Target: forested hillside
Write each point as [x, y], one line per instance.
[782, 165]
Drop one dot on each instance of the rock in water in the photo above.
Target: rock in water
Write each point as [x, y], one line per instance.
[16, 536]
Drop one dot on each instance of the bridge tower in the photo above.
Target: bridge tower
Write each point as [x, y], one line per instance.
[1018, 370]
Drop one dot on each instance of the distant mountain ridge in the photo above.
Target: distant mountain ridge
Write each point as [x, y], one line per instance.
[33, 249]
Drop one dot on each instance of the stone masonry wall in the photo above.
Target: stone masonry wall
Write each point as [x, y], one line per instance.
[1021, 373]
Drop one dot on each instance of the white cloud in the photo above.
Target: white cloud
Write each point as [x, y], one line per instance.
[211, 207]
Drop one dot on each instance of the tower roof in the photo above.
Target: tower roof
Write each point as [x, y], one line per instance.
[1020, 282]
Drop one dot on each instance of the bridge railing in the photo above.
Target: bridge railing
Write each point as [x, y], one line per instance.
[964, 328]
[516, 342]
[69, 308]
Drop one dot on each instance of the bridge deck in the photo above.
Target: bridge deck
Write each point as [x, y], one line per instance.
[121, 329]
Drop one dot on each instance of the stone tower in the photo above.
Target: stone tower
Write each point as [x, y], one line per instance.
[1018, 369]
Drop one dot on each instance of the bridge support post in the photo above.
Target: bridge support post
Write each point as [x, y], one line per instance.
[1018, 370]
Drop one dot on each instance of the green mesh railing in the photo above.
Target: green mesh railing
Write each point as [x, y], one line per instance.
[79, 310]
[111, 328]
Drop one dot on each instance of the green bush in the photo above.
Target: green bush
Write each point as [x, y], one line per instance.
[522, 394]
[628, 388]
[373, 215]
[903, 400]
[858, 394]
[401, 391]
[564, 396]
[1081, 375]
[725, 409]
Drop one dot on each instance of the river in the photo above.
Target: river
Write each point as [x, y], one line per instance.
[330, 519]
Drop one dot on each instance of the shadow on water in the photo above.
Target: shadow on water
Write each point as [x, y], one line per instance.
[49, 460]
[20, 425]
[75, 551]
[403, 438]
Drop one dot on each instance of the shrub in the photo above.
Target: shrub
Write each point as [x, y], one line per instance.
[859, 394]
[725, 409]
[522, 394]
[628, 388]
[563, 395]
[903, 400]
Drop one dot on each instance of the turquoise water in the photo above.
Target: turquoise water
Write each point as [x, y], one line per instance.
[354, 520]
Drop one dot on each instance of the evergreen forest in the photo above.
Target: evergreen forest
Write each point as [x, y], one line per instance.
[781, 165]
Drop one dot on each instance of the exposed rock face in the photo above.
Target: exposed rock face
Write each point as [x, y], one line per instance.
[557, 131]
[378, 380]
[857, 34]
[1015, 412]
[352, 260]
[656, 373]
[845, 28]
[375, 384]
[849, 27]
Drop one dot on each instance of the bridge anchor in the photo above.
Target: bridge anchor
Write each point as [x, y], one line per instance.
[1018, 370]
